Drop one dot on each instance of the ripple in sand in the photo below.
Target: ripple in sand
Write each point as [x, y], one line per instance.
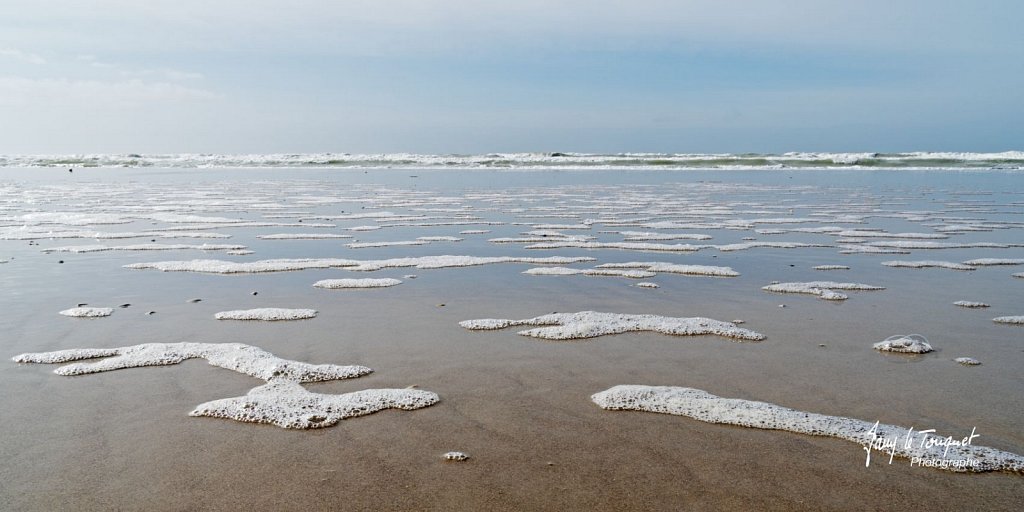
[282, 401]
[1017, 320]
[904, 344]
[82, 312]
[703, 406]
[266, 314]
[928, 264]
[823, 289]
[591, 324]
[337, 284]
[970, 304]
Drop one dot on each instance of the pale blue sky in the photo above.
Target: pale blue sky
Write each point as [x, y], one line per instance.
[473, 76]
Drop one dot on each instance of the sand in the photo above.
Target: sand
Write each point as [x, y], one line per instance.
[519, 406]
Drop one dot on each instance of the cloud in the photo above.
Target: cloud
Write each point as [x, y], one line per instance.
[62, 92]
[31, 58]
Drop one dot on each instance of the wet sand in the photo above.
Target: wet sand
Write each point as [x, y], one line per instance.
[519, 406]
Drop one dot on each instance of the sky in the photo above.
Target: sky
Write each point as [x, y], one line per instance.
[479, 76]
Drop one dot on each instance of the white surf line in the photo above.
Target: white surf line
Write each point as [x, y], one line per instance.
[145, 247]
[266, 314]
[591, 324]
[887, 439]
[823, 289]
[928, 264]
[282, 401]
[831, 267]
[672, 268]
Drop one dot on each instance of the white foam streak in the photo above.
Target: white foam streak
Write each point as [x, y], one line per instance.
[703, 406]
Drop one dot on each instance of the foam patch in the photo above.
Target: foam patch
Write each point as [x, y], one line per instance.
[248, 267]
[591, 324]
[337, 284]
[904, 344]
[238, 357]
[823, 289]
[282, 401]
[88, 312]
[982, 262]
[703, 406]
[289, 405]
[266, 314]
[672, 268]
[302, 236]
[1017, 320]
[970, 304]
[928, 264]
[565, 271]
[146, 247]
[967, 361]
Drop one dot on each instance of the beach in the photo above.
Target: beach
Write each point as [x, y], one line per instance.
[148, 241]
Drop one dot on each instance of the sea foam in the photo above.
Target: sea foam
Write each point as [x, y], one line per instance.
[289, 405]
[336, 284]
[703, 406]
[591, 324]
[823, 289]
[83, 312]
[266, 314]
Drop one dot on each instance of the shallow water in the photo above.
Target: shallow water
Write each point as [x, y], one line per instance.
[519, 406]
